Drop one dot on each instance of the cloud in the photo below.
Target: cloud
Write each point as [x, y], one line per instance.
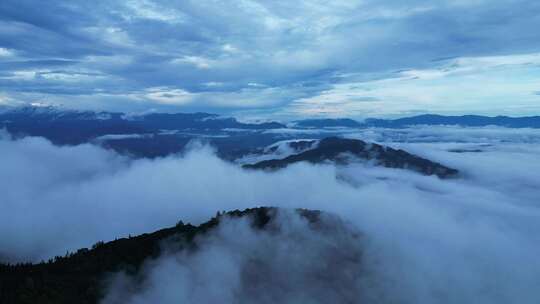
[5, 52]
[301, 53]
[462, 85]
[489, 138]
[168, 96]
[290, 261]
[151, 11]
[478, 234]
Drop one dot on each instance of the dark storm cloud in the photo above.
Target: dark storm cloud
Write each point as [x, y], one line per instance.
[244, 48]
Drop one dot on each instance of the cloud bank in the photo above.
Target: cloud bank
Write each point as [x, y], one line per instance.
[424, 240]
[299, 58]
[291, 261]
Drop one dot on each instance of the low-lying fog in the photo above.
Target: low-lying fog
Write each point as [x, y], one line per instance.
[475, 239]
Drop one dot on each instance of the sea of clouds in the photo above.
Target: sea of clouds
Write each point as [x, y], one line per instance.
[474, 239]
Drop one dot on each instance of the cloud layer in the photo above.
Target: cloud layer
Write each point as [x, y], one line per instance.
[291, 261]
[302, 57]
[426, 240]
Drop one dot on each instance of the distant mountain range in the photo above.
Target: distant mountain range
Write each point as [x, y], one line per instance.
[76, 127]
[161, 134]
[427, 119]
[465, 120]
[327, 123]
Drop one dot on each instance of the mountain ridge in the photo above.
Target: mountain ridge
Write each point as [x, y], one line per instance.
[77, 277]
[70, 127]
[465, 119]
[340, 151]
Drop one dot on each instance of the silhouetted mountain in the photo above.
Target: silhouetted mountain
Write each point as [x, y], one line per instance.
[344, 151]
[465, 120]
[65, 127]
[76, 127]
[78, 277]
[427, 119]
[204, 121]
[327, 123]
[161, 134]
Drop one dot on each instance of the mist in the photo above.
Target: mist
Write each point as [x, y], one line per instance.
[424, 240]
[290, 261]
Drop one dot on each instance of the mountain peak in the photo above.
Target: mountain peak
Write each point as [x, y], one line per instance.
[343, 151]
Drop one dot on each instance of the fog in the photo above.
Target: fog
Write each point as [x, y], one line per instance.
[419, 133]
[290, 261]
[474, 239]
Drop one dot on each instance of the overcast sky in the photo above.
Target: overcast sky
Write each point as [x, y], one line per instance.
[274, 58]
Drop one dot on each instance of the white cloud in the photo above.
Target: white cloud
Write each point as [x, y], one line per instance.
[199, 62]
[214, 84]
[306, 48]
[238, 264]
[479, 233]
[5, 100]
[4, 52]
[230, 48]
[168, 95]
[147, 9]
[488, 85]
[21, 75]
[112, 35]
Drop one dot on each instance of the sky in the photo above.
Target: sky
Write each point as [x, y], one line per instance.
[294, 58]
